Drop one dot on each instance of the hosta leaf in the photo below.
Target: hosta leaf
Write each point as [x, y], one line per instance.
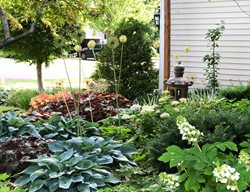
[104, 160]
[99, 182]
[84, 165]
[30, 169]
[120, 158]
[64, 182]
[51, 135]
[128, 150]
[37, 174]
[77, 178]
[103, 171]
[36, 185]
[66, 155]
[53, 187]
[22, 181]
[12, 129]
[74, 160]
[112, 180]
[49, 160]
[97, 176]
[57, 146]
[83, 188]
[53, 175]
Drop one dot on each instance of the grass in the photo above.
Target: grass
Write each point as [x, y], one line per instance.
[7, 108]
[24, 83]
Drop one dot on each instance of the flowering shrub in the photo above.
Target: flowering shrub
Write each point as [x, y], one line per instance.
[227, 175]
[208, 168]
[218, 120]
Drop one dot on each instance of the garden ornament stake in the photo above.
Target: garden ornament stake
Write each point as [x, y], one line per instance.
[178, 85]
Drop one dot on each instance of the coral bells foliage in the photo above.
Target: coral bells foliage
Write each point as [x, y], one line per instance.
[102, 105]
[188, 132]
[43, 99]
[227, 175]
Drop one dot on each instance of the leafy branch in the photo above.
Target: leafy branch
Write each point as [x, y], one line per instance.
[8, 38]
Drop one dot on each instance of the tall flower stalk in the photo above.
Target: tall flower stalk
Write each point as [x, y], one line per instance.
[78, 49]
[122, 39]
[113, 44]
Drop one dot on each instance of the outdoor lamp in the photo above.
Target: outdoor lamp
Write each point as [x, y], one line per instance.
[178, 85]
[157, 17]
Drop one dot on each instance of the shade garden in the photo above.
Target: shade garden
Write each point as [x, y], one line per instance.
[188, 145]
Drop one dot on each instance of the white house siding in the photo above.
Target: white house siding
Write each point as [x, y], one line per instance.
[190, 21]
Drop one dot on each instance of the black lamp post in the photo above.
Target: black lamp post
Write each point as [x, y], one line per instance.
[157, 17]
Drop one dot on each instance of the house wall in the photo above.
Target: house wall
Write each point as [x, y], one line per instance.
[190, 21]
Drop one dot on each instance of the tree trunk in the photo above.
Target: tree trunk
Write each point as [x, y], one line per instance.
[39, 76]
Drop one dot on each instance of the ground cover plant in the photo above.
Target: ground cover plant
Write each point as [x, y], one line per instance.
[92, 104]
[78, 164]
[236, 93]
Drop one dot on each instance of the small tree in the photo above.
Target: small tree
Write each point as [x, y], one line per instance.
[41, 47]
[213, 59]
[138, 75]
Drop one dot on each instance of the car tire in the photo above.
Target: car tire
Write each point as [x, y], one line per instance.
[84, 56]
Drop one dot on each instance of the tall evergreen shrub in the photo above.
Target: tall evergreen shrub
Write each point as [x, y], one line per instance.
[138, 75]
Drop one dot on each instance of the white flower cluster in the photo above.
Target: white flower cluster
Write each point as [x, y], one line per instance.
[188, 132]
[147, 109]
[164, 115]
[170, 181]
[126, 116]
[244, 158]
[227, 175]
[135, 107]
[183, 100]
[175, 103]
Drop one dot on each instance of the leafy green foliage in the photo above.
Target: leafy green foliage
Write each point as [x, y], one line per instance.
[60, 128]
[78, 164]
[16, 151]
[236, 93]
[21, 98]
[218, 119]
[11, 125]
[195, 166]
[136, 61]
[213, 59]
[3, 96]
[5, 184]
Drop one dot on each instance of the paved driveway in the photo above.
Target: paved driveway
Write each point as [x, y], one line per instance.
[9, 69]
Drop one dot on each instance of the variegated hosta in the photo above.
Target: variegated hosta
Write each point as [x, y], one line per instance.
[79, 164]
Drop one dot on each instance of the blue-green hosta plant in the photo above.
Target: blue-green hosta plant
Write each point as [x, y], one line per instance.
[214, 167]
[61, 128]
[11, 125]
[81, 164]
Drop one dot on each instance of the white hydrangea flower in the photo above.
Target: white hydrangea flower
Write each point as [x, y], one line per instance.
[164, 115]
[183, 100]
[126, 116]
[227, 175]
[135, 107]
[147, 109]
[175, 103]
[170, 181]
[188, 132]
[244, 158]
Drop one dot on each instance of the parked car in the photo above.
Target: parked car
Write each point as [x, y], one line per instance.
[88, 53]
